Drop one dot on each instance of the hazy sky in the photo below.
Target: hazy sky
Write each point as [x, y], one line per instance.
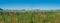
[30, 4]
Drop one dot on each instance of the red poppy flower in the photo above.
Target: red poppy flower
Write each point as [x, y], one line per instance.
[12, 21]
[1, 22]
[10, 14]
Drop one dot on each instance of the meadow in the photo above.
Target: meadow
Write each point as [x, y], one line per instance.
[30, 16]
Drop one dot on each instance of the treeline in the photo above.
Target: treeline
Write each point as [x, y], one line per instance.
[21, 12]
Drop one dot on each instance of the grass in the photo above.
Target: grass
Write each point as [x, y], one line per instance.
[30, 18]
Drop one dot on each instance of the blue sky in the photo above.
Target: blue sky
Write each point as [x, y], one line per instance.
[30, 4]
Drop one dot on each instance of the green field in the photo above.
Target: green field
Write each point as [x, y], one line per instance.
[32, 16]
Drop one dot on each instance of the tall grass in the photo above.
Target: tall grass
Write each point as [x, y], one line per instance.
[31, 18]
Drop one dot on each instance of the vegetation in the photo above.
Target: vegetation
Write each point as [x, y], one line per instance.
[30, 16]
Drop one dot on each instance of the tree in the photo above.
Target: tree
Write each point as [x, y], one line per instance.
[1, 11]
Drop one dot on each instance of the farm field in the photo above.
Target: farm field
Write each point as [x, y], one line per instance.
[30, 16]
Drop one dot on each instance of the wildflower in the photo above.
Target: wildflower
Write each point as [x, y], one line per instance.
[12, 21]
[1, 22]
[10, 14]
